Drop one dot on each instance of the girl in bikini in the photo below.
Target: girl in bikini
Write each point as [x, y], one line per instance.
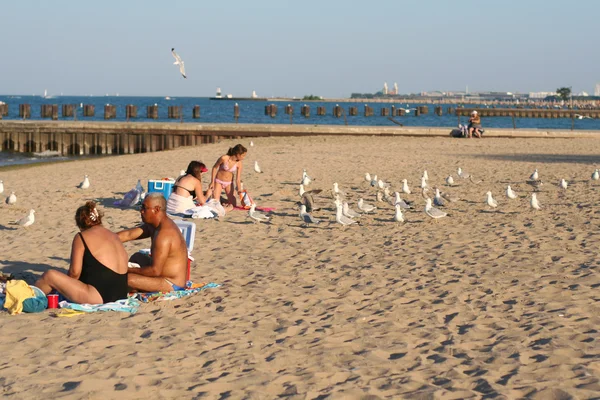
[222, 173]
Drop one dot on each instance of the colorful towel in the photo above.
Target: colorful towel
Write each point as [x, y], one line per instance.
[129, 305]
[192, 288]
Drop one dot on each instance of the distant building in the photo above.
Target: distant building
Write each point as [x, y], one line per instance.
[541, 95]
[597, 90]
[254, 94]
[218, 95]
[395, 88]
[385, 88]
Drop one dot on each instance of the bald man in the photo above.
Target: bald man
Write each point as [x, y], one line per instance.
[166, 270]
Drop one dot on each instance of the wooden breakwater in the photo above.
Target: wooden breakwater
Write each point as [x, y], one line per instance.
[529, 113]
[107, 137]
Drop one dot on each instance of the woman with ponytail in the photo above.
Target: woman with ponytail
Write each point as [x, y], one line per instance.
[98, 271]
[222, 174]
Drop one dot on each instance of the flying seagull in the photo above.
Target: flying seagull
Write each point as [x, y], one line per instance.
[178, 61]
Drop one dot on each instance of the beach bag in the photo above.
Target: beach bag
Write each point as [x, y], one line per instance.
[245, 200]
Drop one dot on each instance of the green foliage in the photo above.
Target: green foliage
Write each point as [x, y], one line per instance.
[312, 97]
[564, 93]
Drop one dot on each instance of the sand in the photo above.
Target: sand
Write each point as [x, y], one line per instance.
[482, 304]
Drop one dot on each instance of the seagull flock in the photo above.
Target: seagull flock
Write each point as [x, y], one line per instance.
[345, 215]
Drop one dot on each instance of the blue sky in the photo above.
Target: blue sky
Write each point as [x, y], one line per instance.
[293, 48]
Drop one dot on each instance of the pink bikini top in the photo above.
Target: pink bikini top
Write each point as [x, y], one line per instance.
[224, 167]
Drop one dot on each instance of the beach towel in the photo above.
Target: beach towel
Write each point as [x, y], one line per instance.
[177, 204]
[191, 288]
[130, 199]
[17, 291]
[129, 305]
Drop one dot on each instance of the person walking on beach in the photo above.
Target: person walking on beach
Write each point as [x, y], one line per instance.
[98, 271]
[165, 270]
[474, 125]
[222, 174]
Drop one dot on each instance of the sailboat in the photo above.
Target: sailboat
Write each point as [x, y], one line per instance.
[46, 95]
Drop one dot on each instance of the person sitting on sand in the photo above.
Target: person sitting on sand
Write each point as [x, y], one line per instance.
[474, 125]
[98, 271]
[222, 174]
[188, 188]
[165, 270]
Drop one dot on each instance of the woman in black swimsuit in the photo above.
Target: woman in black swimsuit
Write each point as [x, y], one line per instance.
[98, 272]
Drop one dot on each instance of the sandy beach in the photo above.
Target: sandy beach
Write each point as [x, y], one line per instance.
[484, 303]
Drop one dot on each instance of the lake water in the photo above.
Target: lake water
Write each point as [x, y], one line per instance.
[253, 112]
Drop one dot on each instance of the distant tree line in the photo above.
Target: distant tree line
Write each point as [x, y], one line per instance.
[312, 97]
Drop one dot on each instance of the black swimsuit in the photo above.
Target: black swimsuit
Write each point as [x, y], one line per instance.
[108, 283]
[191, 192]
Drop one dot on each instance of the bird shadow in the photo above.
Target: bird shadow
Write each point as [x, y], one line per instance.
[7, 228]
[109, 202]
[26, 271]
[246, 222]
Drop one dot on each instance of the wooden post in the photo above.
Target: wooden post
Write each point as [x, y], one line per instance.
[236, 112]
[25, 111]
[54, 112]
[152, 112]
[130, 111]
[572, 121]
[196, 112]
[67, 110]
[513, 120]
[173, 112]
[3, 110]
[305, 110]
[89, 110]
[110, 111]
[337, 111]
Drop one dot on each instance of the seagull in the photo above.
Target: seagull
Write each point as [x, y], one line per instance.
[305, 178]
[423, 183]
[450, 198]
[178, 61]
[340, 218]
[535, 176]
[257, 216]
[374, 181]
[563, 184]
[462, 174]
[425, 193]
[402, 203]
[405, 188]
[306, 217]
[379, 197]
[257, 168]
[425, 175]
[381, 184]
[365, 208]
[1, 187]
[348, 212]
[27, 220]
[534, 203]
[510, 194]
[182, 172]
[595, 175]
[368, 177]
[85, 184]
[11, 199]
[450, 181]
[432, 211]
[337, 191]
[489, 200]
[387, 196]
[535, 184]
[398, 217]
[437, 199]
[308, 201]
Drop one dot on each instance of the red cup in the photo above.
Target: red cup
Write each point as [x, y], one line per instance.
[52, 300]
